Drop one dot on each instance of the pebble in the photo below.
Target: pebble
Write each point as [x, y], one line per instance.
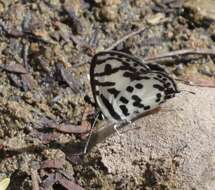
[109, 13]
[2, 7]
[155, 19]
[179, 70]
[201, 10]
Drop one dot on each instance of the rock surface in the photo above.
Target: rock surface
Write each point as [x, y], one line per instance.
[174, 148]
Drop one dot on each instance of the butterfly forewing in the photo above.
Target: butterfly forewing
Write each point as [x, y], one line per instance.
[124, 87]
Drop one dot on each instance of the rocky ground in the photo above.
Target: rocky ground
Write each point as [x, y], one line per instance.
[45, 51]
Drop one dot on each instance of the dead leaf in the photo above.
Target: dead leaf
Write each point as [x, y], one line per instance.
[15, 68]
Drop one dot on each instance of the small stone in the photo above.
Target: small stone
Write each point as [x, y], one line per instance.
[53, 154]
[2, 7]
[112, 2]
[76, 5]
[19, 111]
[34, 48]
[107, 3]
[98, 1]
[109, 13]
[201, 10]
[155, 19]
[179, 70]
[207, 69]
[212, 31]
[34, 6]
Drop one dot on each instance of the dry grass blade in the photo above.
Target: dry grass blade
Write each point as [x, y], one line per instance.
[14, 68]
[125, 38]
[34, 178]
[196, 81]
[57, 163]
[181, 53]
[4, 183]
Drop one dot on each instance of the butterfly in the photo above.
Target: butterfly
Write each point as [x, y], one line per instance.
[124, 87]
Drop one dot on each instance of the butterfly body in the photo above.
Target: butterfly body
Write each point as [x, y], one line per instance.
[124, 87]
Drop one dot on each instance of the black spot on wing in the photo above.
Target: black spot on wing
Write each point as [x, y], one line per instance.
[127, 60]
[96, 82]
[123, 100]
[147, 107]
[127, 74]
[169, 96]
[170, 91]
[113, 91]
[108, 69]
[142, 70]
[159, 87]
[130, 89]
[136, 112]
[136, 98]
[158, 96]
[155, 67]
[124, 110]
[138, 105]
[168, 84]
[161, 102]
[145, 77]
[138, 86]
[137, 101]
[134, 76]
[110, 108]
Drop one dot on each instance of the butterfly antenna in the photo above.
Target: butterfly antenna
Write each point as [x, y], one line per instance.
[91, 132]
[188, 91]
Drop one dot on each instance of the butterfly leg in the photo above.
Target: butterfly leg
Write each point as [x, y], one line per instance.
[91, 131]
[117, 131]
[132, 124]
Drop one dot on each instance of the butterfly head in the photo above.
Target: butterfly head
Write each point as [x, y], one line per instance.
[170, 88]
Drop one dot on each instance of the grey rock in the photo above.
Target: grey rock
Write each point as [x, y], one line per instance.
[179, 141]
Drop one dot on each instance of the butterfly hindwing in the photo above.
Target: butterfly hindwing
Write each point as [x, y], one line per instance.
[124, 87]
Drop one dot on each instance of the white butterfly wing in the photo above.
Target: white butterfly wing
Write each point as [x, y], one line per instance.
[124, 87]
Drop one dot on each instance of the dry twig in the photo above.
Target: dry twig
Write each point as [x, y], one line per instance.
[34, 178]
[125, 38]
[180, 53]
[198, 82]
